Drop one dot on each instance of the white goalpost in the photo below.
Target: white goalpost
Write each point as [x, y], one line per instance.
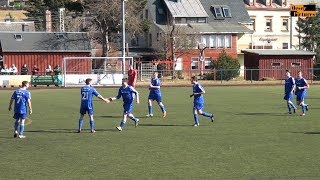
[104, 71]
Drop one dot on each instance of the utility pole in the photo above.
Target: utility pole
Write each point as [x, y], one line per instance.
[123, 37]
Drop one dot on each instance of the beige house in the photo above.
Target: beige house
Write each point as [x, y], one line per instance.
[270, 22]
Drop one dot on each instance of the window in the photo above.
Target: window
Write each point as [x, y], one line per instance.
[204, 40]
[276, 64]
[178, 20]
[178, 64]
[150, 40]
[226, 11]
[218, 13]
[253, 23]
[18, 37]
[268, 24]
[194, 63]
[191, 20]
[220, 41]
[228, 41]
[207, 63]
[296, 64]
[285, 25]
[213, 41]
[160, 11]
[202, 20]
[147, 14]
[285, 45]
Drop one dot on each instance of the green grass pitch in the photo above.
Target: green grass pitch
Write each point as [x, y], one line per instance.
[252, 138]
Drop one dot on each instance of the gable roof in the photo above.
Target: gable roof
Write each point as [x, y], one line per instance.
[278, 52]
[44, 42]
[17, 26]
[233, 24]
[186, 8]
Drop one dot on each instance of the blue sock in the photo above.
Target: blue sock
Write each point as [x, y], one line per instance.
[163, 109]
[206, 114]
[16, 125]
[303, 107]
[21, 129]
[293, 106]
[133, 118]
[91, 123]
[150, 109]
[289, 107]
[196, 119]
[122, 124]
[80, 123]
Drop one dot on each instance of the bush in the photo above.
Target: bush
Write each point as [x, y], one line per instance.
[227, 66]
[208, 76]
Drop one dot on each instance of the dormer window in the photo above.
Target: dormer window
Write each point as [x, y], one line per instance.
[221, 11]
[217, 11]
[18, 37]
[226, 11]
[60, 36]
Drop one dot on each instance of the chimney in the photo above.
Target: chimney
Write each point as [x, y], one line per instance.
[48, 21]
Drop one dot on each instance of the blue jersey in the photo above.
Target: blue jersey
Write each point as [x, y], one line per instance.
[197, 88]
[289, 85]
[21, 98]
[155, 82]
[87, 93]
[127, 94]
[301, 83]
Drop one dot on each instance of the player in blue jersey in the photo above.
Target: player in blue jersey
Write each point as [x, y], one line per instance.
[301, 92]
[127, 93]
[22, 99]
[288, 91]
[87, 93]
[155, 95]
[198, 102]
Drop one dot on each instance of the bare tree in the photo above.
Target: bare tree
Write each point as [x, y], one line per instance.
[105, 20]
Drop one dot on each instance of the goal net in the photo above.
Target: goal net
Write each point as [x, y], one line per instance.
[104, 71]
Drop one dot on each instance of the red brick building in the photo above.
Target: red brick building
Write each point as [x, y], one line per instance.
[260, 64]
[183, 25]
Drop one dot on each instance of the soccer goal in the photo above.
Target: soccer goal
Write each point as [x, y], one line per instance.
[104, 71]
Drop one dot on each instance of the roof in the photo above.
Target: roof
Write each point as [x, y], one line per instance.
[278, 52]
[17, 15]
[186, 8]
[17, 26]
[44, 42]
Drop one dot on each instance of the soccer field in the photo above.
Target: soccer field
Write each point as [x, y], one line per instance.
[252, 137]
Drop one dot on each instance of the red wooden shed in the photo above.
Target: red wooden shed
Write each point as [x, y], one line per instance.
[268, 63]
[45, 48]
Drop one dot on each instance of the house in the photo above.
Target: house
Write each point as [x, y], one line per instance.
[43, 49]
[182, 26]
[270, 22]
[267, 63]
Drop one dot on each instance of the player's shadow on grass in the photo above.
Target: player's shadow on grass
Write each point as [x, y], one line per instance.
[261, 114]
[62, 131]
[309, 133]
[163, 125]
[110, 116]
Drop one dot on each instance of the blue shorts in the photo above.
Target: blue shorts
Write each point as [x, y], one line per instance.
[155, 97]
[84, 110]
[301, 96]
[19, 116]
[288, 96]
[127, 108]
[198, 106]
